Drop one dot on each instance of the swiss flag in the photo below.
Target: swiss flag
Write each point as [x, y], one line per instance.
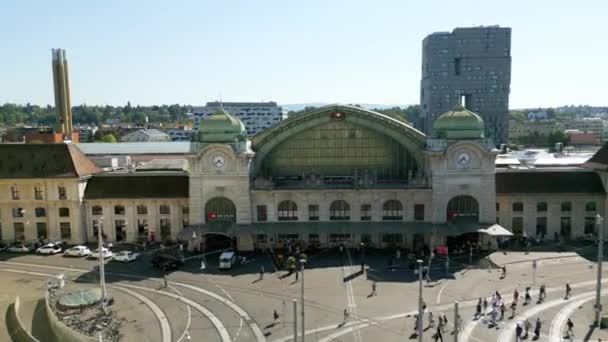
[211, 216]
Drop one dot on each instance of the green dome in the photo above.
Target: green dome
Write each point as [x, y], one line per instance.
[221, 127]
[459, 123]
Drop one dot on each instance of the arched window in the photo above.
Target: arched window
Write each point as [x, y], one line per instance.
[220, 209]
[392, 210]
[288, 211]
[339, 210]
[463, 208]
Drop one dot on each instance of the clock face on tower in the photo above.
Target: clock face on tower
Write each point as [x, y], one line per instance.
[218, 161]
[463, 159]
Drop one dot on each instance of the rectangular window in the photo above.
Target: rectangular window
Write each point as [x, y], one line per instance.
[392, 238]
[40, 212]
[313, 212]
[64, 212]
[541, 226]
[15, 192]
[165, 229]
[366, 212]
[566, 226]
[497, 207]
[96, 210]
[164, 209]
[590, 206]
[517, 225]
[334, 238]
[589, 225]
[19, 228]
[62, 193]
[541, 207]
[142, 228]
[566, 206]
[287, 237]
[314, 239]
[119, 210]
[457, 66]
[41, 230]
[38, 193]
[65, 230]
[142, 210]
[95, 225]
[17, 212]
[518, 207]
[419, 212]
[262, 213]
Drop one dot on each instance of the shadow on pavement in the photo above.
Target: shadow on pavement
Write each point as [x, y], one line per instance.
[40, 324]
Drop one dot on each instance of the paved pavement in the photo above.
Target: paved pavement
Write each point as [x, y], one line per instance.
[236, 305]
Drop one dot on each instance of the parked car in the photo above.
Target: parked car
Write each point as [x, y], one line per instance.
[49, 248]
[77, 251]
[105, 253]
[166, 262]
[227, 259]
[125, 256]
[20, 248]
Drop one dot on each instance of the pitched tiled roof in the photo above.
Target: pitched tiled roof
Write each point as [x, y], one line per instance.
[599, 161]
[137, 185]
[524, 182]
[44, 161]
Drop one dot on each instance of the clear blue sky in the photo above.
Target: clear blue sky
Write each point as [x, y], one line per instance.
[154, 52]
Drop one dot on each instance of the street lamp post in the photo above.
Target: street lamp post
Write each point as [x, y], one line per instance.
[302, 262]
[420, 313]
[600, 258]
[102, 273]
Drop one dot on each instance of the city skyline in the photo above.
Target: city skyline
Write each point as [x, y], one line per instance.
[338, 52]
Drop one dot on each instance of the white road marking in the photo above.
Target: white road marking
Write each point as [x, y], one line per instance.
[441, 291]
[509, 330]
[252, 325]
[225, 336]
[225, 292]
[165, 328]
[189, 316]
[558, 322]
[350, 294]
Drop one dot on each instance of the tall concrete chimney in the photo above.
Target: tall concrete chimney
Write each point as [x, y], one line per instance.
[62, 93]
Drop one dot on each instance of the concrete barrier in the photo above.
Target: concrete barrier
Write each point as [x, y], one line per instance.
[62, 331]
[16, 329]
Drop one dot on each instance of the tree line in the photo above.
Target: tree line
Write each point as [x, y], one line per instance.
[12, 114]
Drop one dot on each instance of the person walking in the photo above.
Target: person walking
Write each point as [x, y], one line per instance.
[485, 307]
[166, 282]
[537, 328]
[262, 272]
[527, 326]
[504, 272]
[440, 322]
[513, 308]
[438, 335]
[373, 289]
[345, 315]
[541, 294]
[527, 298]
[502, 311]
[445, 322]
[518, 331]
[431, 320]
[568, 291]
[478, 309]
[416, 323]
[569, 332]
[275, 315]
[515, 295]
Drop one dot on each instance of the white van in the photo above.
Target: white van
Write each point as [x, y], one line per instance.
[227, 259]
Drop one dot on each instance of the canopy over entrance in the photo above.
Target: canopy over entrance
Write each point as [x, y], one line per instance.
[496, 230]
